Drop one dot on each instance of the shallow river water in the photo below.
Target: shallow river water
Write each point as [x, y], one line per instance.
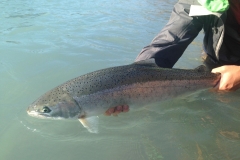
[45, 43]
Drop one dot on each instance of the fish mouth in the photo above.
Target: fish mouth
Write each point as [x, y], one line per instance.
[42, 115]
[37, 114]
[32, 113]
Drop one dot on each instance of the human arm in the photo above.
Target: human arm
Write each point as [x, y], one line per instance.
[230, 77]
[168, 46]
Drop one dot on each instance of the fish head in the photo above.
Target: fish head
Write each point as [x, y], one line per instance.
[54, 105]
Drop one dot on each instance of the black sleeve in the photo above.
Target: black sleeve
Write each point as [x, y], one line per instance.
[168, 46]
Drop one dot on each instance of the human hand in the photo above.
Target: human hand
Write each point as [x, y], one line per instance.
[230, 77]
[116, 110]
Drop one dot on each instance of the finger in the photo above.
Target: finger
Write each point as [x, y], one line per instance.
[224, 84]
[217, 70]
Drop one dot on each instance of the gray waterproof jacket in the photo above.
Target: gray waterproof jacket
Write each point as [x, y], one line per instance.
[188, 18]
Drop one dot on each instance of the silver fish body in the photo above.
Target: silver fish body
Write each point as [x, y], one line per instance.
[137, 84]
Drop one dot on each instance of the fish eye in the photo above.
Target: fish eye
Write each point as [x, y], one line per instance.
[46, 109]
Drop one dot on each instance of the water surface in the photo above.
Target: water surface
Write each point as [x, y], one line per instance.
[44, 43]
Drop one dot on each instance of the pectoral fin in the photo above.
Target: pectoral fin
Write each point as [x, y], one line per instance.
[91, 123]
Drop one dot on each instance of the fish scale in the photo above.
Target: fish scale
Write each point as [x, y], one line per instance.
[140, 83]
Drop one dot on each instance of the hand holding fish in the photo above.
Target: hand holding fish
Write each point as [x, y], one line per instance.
[230, 77]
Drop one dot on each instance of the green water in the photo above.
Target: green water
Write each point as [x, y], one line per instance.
[45, 43]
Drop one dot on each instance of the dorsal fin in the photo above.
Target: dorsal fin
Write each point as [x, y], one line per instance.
[201, 68]
[147, 63]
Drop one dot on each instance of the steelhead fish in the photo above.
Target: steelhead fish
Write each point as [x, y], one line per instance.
[140, 83]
